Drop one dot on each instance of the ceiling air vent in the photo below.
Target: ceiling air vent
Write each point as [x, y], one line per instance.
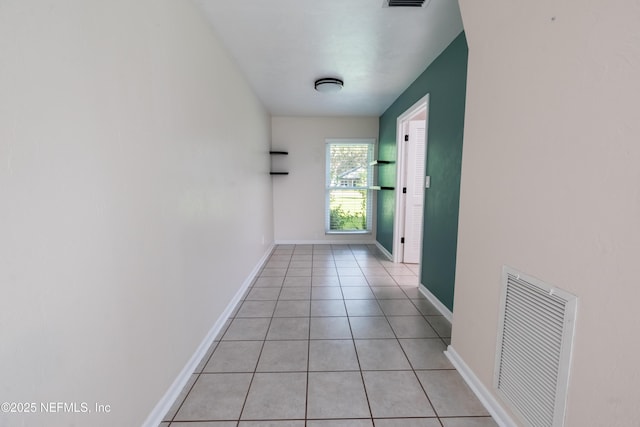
[406, 3]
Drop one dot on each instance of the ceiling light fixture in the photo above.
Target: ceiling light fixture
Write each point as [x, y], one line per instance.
[329, 84]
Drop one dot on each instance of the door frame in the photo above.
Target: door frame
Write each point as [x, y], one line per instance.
[399, 220]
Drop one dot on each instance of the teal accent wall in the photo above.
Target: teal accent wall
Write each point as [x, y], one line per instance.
[445, 82]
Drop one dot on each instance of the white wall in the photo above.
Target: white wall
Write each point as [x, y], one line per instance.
[134, 197]
[299, 198]
[551, 185]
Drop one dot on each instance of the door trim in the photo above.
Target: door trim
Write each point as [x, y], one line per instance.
[398, 223]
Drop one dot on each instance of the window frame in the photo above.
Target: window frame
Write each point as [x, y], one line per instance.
[371, 142]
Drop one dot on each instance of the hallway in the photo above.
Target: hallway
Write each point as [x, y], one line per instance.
[330, 335]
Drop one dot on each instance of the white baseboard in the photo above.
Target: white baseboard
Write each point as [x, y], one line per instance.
[443, 309]
[384, 251]
[166, 402]
[498, 413]
[355, 241]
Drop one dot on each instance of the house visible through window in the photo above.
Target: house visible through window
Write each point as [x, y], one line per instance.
[348, 198]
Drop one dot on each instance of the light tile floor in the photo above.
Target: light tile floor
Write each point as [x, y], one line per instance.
[330, 335]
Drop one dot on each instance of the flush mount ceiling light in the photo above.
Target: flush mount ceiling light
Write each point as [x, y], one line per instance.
[329, 84]
[404, 3]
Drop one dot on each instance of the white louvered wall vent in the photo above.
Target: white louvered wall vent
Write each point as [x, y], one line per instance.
[535, 337]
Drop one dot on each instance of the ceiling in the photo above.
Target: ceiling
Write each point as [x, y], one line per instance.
[283, 46]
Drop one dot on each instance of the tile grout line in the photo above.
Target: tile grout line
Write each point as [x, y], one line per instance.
[406, 357]
[255, 369]
[217, 341]
[306, 399]
[324, 259]
[411, 365]
[355, 349]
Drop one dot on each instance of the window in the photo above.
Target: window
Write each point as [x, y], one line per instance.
[349, 173]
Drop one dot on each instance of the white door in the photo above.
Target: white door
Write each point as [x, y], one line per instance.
[414, 200]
